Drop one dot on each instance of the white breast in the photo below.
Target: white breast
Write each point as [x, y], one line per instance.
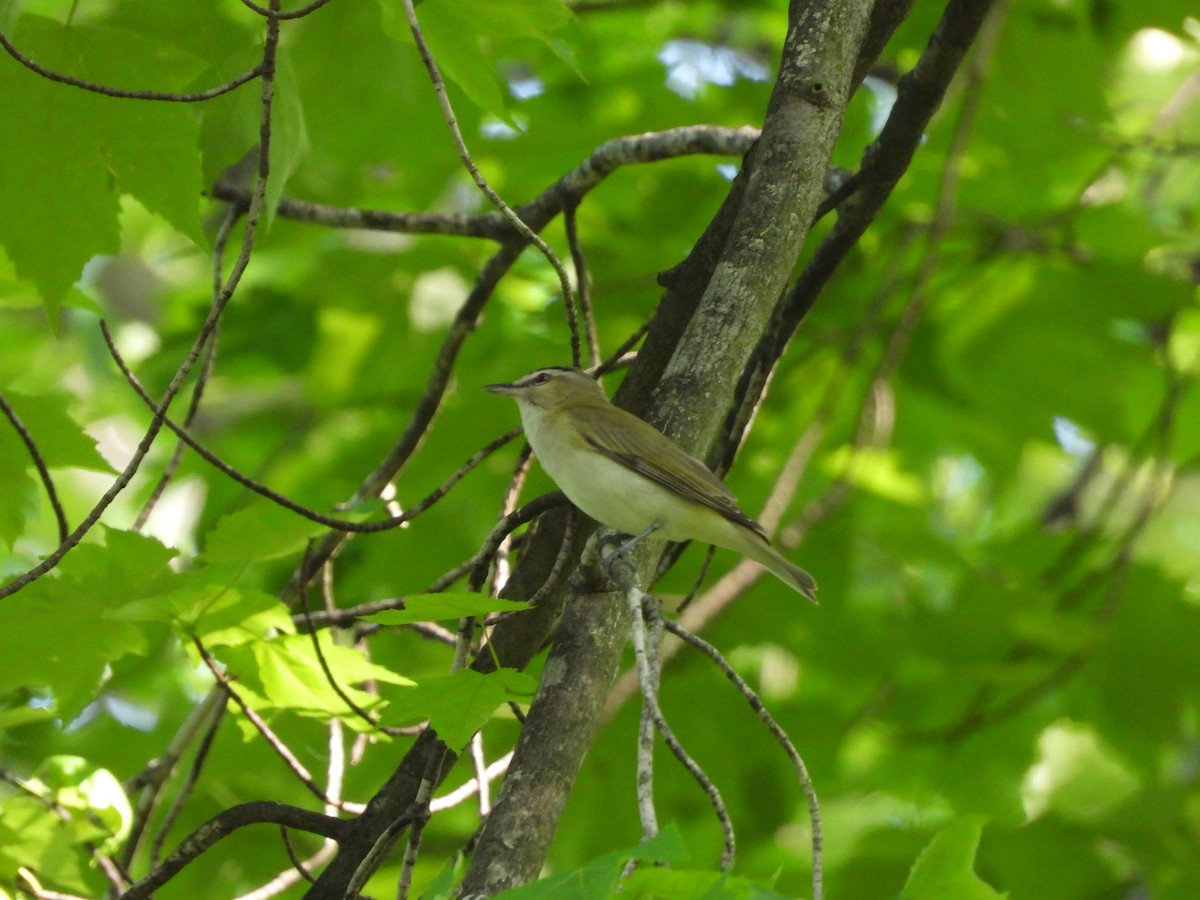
[604, 489]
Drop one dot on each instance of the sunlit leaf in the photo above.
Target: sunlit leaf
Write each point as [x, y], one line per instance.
[458, 705]
[258, 532]
[945, 867]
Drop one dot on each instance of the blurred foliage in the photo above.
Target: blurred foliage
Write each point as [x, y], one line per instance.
[999, 692]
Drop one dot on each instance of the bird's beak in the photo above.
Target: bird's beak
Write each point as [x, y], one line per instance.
[508, 390]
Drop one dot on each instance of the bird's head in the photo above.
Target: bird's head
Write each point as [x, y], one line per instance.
[551, 388]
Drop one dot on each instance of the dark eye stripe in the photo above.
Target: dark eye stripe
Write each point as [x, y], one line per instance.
[542, 376]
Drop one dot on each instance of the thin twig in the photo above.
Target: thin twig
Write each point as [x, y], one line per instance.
[617, 358]
[624, 575]
[225, 823]
[36, 890]
[297, 865]
[330, 679]
[342, 618]
[646, 659]
[189, 784]
[756, 704]
[153, 779]
[468, 790]
[287, 503]
[412, 848]
[165, 96]
[560, 560]
[636, 149]
[501, 530]
[512, 493]
[39, 463]
[479, 762]
[281, 749]
[583, 286]
[275, 14]
[701, 574]
[206, 369]
[439, 88]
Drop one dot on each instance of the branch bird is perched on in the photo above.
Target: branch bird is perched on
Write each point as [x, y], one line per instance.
[625, 474]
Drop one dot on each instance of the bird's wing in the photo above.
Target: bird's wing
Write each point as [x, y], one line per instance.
[626, 439]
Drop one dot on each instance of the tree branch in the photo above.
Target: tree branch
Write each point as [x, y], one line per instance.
[777, 201]
[224, 824]
[164, 96]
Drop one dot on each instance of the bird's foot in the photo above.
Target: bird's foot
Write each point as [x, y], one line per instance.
[624, 543]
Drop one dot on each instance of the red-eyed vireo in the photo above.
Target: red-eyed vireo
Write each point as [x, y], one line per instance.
[625, 474]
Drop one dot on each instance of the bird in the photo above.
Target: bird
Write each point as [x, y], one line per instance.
[625, 474]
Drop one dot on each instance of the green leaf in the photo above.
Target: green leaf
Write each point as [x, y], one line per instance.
[653, 882]
[53, 639]
[599, 878]
[442, 886]
[435, 607]
[944, 870]
[60, 440]
[258, 532]
[458, 705]
[79, 151]
[217, 614]
[665, 847]
[127, 566]
[16, 293]
[93, 794]
[58, 632]
[16, 504]
[1078, 777]
[285, 674]
[33, 836]
[230, 129]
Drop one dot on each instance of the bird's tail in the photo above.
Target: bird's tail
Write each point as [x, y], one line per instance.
[753, 543]
[790, 574]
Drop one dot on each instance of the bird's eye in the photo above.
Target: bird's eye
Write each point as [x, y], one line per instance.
[541, 378]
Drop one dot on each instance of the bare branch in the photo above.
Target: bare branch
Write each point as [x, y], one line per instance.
[281, 749]
[643, 608]
[165, 96]
[36, 890]
[189, 784]
[39, 463]
[513, 842]
[473, 786]
[920, 93]
[344, 525]
[225, 823]
[810, 793]
[154, 778]
[330, 679]
[234, 213]
[276, 14]
[583, 286]
[654, 146]
[506, 526]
